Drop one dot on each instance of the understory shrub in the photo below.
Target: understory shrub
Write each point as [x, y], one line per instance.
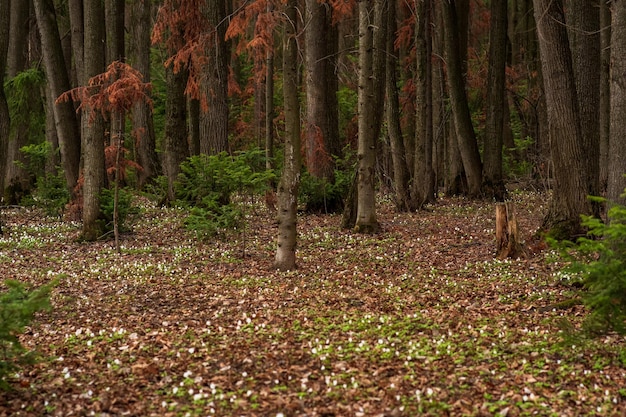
[125, 209]
[17, 308]
[208, 186]
[600, 260]
[322, 196]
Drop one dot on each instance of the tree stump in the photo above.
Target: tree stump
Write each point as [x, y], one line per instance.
[508, 243]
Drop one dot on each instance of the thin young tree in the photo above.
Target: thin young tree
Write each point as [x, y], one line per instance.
[289, 182]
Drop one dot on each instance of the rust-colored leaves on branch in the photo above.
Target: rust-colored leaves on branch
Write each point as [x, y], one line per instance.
[115, 90]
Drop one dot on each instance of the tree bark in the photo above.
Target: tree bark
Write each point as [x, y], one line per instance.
[57, 75]
[214, 83]
[396, 141]
[468, 145]
[368, 105]
[617, 142]
[569, 198]
[605, 93]
[5, 121]
[584, 36]
[289, 182]
[93, 140]
[175, 147]
[143, 125]
[423, 187]
[493, 182]
[322, 129]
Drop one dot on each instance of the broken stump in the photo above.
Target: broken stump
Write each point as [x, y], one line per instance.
[508, 244]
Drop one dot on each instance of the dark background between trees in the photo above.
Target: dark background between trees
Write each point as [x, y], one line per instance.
[460, 97]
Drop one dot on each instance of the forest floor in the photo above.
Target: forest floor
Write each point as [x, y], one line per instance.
[420, 319]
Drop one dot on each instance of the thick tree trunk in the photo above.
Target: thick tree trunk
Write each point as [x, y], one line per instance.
[569, 198]
[93, 140]
[322, 129]
[617, 141]
[584, 36]
[57, 75]
[493, 183]
[175, 147]
[214, 83]
[468, 145]
[368, 105]
[423, 187]
[288, 187]
[143, 126]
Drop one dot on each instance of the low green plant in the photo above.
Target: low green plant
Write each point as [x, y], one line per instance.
[17, 308]
[50, 194]
[207, 185]
[600, 260]
[125, 208]
[321, 195]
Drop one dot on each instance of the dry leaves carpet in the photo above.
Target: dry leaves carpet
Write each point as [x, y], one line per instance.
[417, 320]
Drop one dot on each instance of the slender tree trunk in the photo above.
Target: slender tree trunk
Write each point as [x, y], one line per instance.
[289, 182]
[493, 183]
[93, 140]
[605, 93]
[368, 105]
[617, 142]
[193, 106]
[143, 125]
[175, 147]
[569, 199]
[269, 110]
[423, 187]
[77, 25]
[214, 83]
[57, 75]
[396, 141]
[468, 145]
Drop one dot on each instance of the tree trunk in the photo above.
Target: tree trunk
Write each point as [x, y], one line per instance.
[423, 187]
[605, 93]
[468, 145]
[396, 141]
[16, 177]
[493, 183]
[508, 241]
[57, 75]
[569, 198]
[143, 126]
[93, 140]
[5, 121]
[584, 36]
[269, 111]
[288, 187]
[77, 25]
[175, 147]
[617, 142]
[322, 129]
[368, 106]
[214, 83]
